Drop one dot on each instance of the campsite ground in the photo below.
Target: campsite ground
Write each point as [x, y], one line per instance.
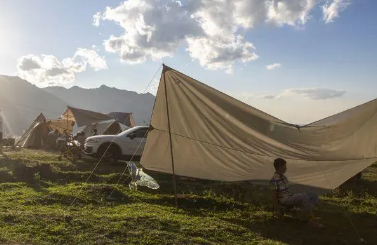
[37, 190]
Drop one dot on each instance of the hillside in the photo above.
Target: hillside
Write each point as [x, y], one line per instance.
[107, 99]
[21, 102]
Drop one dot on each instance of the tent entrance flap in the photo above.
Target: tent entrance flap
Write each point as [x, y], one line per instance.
[217, 137]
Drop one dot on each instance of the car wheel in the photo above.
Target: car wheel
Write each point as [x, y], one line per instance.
[108, 154]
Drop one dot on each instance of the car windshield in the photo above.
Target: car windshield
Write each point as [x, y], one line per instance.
[125, 132]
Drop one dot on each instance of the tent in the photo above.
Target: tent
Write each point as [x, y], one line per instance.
[36, 134]
[123, 117]
[83, 117]
[60, 125]
[220, 138]
[110, 127]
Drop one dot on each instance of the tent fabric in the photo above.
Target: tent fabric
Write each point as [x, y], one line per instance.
[109, 127]
[124, 118]
[217, 137]
[123, 127]
[31, 136]
[36, 134]
[83, 117]
[60, 125]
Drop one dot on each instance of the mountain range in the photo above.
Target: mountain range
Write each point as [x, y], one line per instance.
[21, 102]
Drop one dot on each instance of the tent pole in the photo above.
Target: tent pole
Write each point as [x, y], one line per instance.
[170, 140]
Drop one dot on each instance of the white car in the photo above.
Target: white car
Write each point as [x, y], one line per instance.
[122, 146]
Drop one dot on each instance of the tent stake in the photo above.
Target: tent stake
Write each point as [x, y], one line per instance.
[171, 143]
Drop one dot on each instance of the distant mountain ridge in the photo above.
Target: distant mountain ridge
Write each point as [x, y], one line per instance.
[21, 102]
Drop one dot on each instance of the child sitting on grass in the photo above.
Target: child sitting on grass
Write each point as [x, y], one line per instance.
[282, 194]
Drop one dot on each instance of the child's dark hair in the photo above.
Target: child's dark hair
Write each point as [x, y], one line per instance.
[279, 162]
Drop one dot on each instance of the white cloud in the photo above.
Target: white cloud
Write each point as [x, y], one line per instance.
[152, 29]
[317, 93]
[293, 13]
[332, 8]
[273, 66]
[96, 19]
[242, 96]
[213, 30]
[47, 69]
[91, 57]
[30, 62]
[267, 96]
[308, 93]
[216, 54]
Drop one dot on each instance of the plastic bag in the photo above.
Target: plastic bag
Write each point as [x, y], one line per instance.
[140, 178]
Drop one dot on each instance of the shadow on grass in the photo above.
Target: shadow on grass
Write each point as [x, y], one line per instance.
[362, 189]
[198, 198]
[95, 195]
[103, 167]
[14, 170]
[338, 227]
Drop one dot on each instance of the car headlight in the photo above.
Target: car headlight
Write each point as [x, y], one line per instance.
[93, 140]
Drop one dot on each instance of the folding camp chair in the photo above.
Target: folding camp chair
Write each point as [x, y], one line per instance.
[69, 150]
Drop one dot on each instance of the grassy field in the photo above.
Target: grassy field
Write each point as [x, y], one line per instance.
[37, 191]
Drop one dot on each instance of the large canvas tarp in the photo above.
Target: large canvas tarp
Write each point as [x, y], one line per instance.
[84, 117]
[217, 137]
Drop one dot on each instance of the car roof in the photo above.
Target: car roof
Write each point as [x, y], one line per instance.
[141, 127]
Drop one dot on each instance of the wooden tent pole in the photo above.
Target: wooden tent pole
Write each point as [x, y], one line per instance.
[170, 140]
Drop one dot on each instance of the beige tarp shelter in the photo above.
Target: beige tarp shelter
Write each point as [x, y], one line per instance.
[83, 117]
[60, 125]
[124, 118]
[110, 127]
[216, 137]
[36, 135]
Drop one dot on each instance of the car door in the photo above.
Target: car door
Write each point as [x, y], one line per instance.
[135, 142]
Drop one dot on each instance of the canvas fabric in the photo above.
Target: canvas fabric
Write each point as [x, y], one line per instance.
[217, 137]
[84, 117]
[124, 118]
[107, 127]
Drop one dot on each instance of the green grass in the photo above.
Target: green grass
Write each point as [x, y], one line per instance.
[37, 191]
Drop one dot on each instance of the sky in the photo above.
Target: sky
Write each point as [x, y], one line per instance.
[299, 60]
